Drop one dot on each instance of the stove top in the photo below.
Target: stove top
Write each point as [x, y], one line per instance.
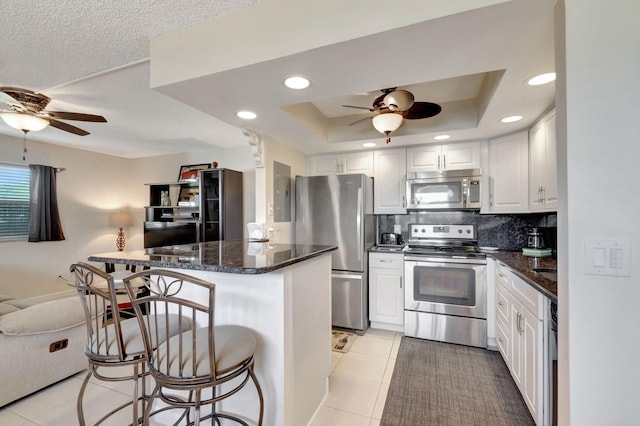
[443, 240]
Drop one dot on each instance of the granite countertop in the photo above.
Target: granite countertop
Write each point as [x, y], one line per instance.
[235, 257]
[523, 267]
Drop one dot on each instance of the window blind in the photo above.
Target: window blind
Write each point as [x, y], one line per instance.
[14, 202]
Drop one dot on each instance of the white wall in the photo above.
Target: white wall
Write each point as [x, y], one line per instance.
[600, 336]
[284, 232]
[91, 187]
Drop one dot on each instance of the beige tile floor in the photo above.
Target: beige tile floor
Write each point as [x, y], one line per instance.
[358, 388]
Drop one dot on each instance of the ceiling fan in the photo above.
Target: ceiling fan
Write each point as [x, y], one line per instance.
[393, 107]
[25, 110]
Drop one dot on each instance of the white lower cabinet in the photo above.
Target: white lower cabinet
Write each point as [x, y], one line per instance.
[519, 329]
[386, 294]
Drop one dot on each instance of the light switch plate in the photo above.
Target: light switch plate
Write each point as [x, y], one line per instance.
[397, 229]
[607, 257]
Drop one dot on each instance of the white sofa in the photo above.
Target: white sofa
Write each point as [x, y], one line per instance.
[42, 341]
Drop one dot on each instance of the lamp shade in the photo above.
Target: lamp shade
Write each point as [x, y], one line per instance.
[387, 122]
[24, 122]
[120, 220]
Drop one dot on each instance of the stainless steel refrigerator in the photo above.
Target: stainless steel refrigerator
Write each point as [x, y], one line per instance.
[338, 210]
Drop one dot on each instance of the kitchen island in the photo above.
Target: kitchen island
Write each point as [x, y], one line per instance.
[283, 293]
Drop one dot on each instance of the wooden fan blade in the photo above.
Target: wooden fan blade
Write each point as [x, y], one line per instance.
[67, 127]
[61, 115]
[359, 107]
[10, 101]
[358, 121]
[422, 110]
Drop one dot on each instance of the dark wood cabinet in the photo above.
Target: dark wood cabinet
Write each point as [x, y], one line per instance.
[209, 208]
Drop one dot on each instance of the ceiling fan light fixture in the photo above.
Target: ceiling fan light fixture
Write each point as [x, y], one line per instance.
[369, 144]
[297, 82]
[441, 137]
[387, 122]
[399, 100]
[24, 122]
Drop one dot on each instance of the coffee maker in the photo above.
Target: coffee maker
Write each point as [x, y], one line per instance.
[535, 238]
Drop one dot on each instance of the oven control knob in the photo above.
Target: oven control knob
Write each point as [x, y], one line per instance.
[423, 230]
[468, 231]
[459, 231]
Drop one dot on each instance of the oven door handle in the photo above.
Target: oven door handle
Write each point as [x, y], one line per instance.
[452, 259]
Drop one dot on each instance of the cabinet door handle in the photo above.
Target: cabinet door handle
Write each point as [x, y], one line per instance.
[491, 199]
[400, 282]
[500, 303]
[500, 340]
[444, 162]
[519, 324]
[438, 161]
[544, 194]
[404, 202]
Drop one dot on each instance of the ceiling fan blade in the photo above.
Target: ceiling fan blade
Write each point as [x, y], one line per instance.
[422, 110]
[359, 107]
[358, 121]
[61, 115]
[67, 127]
[10, 101]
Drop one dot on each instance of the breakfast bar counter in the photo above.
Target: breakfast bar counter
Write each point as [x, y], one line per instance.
[283, 293]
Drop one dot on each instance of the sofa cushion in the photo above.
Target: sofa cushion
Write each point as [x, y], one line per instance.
[35, 300]
[4, 297]
[6, 308]
[44, 317]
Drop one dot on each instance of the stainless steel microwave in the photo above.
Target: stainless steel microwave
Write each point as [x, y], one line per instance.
[450, 189]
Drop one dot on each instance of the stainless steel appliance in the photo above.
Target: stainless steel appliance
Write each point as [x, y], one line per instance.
[338, 210]
[446, 285]
[535, 238]
[451, 189]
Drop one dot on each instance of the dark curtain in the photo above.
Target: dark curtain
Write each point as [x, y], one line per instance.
[44, 222]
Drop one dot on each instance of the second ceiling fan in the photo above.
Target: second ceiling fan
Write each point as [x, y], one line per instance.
[393, 107]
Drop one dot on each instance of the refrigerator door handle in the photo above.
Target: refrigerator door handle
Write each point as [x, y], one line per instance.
[360, 224]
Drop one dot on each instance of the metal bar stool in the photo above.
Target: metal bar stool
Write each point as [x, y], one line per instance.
[204, 358]
[113, 341]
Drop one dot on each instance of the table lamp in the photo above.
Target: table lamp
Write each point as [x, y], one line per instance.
[120, 220]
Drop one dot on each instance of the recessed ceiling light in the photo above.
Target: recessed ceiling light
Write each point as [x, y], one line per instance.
[297, 82]
[512, 119]
[369, 144]
[441, 137]
[246, 115]
[545, 78]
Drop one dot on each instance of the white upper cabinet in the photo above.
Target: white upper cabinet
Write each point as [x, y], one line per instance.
[389, 172]
[508, 174]
[455, 156]
[340, 164]
[543, 176]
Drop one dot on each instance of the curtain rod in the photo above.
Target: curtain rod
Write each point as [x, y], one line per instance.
[57, 169]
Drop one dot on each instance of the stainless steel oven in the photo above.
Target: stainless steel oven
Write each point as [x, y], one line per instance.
[446, 285]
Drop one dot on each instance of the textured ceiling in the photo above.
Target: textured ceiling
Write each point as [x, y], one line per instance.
[61, 41]
[93, 57]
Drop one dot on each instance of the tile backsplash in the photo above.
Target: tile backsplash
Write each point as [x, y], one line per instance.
[508, 232]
